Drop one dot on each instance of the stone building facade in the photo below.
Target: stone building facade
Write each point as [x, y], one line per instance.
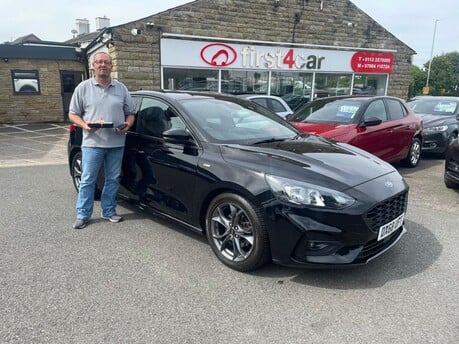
[136, 46]
[37, 82]
[141, 60]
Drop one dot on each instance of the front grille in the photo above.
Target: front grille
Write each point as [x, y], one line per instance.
[386, 211]
[373, 247]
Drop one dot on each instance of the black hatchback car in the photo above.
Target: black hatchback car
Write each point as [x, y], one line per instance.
[451, 174]
[254, 185]
[440, 116]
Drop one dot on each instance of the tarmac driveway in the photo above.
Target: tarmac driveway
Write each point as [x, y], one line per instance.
[33, 144]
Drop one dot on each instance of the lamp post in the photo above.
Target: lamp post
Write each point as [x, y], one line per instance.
[431, 53]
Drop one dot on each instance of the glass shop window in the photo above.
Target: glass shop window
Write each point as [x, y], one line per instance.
[241, 81]
[370, 84]
[190, 79]
[25, 81]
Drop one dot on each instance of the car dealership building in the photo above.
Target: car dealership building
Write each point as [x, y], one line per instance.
[289, 48]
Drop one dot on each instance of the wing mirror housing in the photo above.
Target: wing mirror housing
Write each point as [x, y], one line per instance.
[370, 122]
[178, 136]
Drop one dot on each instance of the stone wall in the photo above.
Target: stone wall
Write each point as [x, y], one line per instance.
[339, 23]
[47, 106]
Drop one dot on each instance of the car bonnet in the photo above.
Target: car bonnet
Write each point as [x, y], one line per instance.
[313, 159]
[435, 120]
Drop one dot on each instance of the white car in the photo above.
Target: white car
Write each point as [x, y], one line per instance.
[273, 103]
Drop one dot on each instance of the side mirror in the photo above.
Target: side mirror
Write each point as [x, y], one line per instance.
[372, 121]
[177, 136]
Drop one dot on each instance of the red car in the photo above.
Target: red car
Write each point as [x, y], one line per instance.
[381, 125]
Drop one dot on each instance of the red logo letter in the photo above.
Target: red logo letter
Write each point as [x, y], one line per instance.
[218, 54]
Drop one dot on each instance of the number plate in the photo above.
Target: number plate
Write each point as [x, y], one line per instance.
[390, 227]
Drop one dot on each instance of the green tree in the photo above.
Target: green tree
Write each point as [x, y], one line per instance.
[444, 74]
[418, 79]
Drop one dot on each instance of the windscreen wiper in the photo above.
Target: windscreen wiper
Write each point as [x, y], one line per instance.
[270, 140]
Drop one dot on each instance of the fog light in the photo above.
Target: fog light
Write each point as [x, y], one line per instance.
[320, 248]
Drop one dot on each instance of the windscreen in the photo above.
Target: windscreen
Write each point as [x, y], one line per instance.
[227, 121]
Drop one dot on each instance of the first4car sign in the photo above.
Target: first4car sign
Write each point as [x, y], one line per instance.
[191, 53]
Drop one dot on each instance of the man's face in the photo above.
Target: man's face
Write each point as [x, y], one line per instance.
[102, 66]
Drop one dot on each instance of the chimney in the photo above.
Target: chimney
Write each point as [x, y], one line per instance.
[102, 23]
[82, 26]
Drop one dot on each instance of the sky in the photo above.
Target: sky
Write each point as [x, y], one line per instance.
[411, 21]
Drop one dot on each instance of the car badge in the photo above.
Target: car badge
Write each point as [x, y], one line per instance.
[388, 184]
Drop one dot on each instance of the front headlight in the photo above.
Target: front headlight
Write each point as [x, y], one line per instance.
[437, 129]
[300, 193]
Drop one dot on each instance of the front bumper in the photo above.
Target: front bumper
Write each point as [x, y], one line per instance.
[315, 238]
[435, 142]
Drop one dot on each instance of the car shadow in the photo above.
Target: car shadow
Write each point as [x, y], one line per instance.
[424, 164]
[138, 213]
[415, 253]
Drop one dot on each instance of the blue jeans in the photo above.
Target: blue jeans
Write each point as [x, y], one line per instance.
[92, 161]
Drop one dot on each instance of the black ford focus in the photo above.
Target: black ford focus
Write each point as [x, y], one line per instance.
[256, 187]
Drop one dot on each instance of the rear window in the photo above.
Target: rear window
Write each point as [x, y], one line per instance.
[338, 111]
[433, 106]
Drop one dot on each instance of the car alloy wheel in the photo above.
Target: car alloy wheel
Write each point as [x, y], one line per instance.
[236, 232]
[414, 155]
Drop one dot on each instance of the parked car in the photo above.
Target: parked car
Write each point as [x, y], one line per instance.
[381, 125]
[274, 103]
[255, 186]
[451, 174]
[295, 101]
[441, 121]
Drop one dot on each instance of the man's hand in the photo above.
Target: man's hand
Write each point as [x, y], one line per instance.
[123, 128]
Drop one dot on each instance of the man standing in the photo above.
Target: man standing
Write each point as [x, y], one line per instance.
[101, 100]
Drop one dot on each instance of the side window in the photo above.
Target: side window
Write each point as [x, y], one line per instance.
[376, 109]
[155, 117]
[396, 109]
[25, 81]
[277, 106]
[261, 101]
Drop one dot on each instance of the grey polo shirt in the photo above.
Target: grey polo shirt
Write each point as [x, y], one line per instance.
[92, 102]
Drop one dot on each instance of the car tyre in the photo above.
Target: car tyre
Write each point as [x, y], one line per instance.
[237, 233]
[77, 170]
[449, 183]
[414, 154]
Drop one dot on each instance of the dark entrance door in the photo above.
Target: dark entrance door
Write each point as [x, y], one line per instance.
[69, 80]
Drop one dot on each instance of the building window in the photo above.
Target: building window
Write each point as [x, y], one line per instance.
[25, 81]
[371, 84]
[243, 81]
[190, 79]
[328, 84]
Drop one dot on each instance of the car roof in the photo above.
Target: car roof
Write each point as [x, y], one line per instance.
[435, 98]
[181, 95]
[251, 96]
